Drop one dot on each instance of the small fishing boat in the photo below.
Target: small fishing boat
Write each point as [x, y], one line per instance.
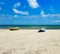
[42, 29]
[14, 28]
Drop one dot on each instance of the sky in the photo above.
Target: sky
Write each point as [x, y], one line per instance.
[29, 12]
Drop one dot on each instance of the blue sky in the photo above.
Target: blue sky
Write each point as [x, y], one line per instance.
[29, 12]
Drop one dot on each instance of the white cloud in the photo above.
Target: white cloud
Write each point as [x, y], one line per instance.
[20, 12]
[17, 4]
[43, 14]
[33, 3]
[15, 15]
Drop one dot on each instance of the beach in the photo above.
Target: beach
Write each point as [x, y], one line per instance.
[29, 41]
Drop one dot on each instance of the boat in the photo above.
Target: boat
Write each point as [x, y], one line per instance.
[42, 29]
[14, 28]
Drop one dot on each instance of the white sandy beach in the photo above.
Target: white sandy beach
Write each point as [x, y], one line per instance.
[29, 42]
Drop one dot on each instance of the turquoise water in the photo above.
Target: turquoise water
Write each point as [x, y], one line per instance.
[30, 26]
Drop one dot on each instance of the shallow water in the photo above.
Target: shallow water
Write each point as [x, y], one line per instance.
[31, 26]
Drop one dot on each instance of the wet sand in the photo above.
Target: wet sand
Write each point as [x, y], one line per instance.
[29, 42]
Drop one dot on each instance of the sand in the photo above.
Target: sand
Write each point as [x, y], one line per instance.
[29, 42]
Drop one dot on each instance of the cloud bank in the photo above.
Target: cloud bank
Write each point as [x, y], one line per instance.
[44, 15]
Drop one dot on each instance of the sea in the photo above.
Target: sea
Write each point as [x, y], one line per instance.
[30, 26]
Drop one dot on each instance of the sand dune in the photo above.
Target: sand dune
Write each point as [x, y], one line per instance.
[29, 42]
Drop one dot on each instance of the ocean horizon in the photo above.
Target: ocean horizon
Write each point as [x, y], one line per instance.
[30, 26]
